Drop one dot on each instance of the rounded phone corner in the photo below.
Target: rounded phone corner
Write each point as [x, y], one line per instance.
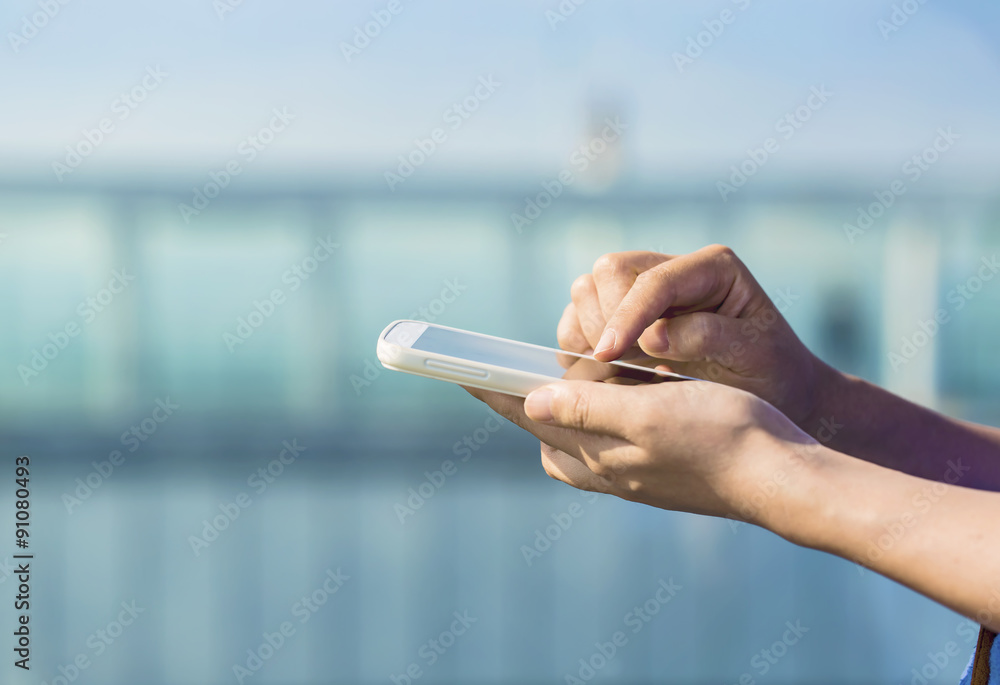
[387, 352]
[385, 331]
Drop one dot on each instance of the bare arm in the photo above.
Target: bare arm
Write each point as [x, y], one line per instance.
[938, 539]
[711, 450]
[888, 430]
[705, 315]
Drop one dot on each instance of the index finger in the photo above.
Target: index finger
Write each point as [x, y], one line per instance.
[615, 273]
[698, 281]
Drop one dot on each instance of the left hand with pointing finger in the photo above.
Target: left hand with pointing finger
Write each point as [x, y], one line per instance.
[691, 446]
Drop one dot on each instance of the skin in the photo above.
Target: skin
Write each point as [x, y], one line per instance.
[780, 440]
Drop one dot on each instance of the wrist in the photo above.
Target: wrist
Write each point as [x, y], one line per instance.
[791, 496]
[829, 399]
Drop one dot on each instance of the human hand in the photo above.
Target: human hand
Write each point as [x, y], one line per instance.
[686, 446]
[701, 314]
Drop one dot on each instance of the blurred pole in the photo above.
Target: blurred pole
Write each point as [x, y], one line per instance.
[910, 287]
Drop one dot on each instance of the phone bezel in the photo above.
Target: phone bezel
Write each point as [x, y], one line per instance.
[502, 378]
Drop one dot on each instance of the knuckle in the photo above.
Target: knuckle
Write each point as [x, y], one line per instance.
[547, 467]
[600, 469]
[657, 278]
[547, 464]
[581, 286]
[608, 264]
[723, 251]
[563, 336]
[578, 409]
[726, 255]
[566, 328]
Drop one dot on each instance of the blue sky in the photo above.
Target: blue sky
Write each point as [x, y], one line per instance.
[940, 69]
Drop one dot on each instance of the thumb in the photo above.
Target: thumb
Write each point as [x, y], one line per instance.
[701, 336]
[582, 405]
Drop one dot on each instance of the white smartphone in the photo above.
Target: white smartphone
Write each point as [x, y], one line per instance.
[491, 363]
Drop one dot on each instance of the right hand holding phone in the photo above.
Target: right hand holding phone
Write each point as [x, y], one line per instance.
[702, 314]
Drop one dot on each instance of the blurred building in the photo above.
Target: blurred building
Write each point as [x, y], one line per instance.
[190, 345]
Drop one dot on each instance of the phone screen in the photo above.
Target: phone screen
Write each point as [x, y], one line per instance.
[540, 360]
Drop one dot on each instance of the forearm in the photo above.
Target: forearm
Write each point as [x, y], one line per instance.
[871, 423]
[940, 540]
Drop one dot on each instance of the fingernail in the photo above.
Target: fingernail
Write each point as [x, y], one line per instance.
[607, 341]
[538, 405]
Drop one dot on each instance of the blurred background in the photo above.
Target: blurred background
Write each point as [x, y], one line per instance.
[209, 211]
